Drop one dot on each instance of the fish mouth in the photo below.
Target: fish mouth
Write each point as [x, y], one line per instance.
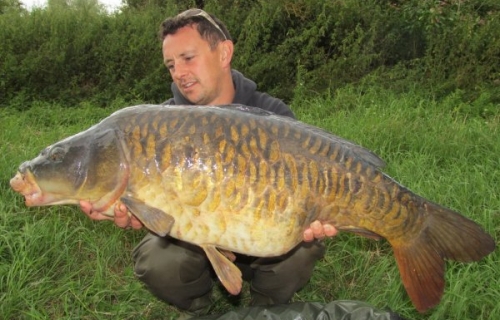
[25, 184]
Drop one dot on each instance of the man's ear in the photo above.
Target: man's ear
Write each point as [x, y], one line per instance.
[227, 49]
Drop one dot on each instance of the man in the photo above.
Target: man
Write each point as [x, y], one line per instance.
[197, 51]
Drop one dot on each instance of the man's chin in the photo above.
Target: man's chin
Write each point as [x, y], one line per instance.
[192, 98]
[197, 101]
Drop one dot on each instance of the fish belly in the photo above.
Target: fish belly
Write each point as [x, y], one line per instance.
[227, 222]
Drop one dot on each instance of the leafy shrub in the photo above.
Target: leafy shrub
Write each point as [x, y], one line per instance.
[292, 48]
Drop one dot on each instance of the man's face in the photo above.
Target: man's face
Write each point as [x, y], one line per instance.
[194, 67]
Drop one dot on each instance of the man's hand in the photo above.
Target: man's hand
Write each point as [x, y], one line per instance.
[319, 231]
[121, 217]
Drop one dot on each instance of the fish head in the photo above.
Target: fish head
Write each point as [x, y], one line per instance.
[88, 166]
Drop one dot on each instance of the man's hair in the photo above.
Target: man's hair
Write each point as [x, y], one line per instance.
[207, 30]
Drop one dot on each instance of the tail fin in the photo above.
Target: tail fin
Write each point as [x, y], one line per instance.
[444, 235]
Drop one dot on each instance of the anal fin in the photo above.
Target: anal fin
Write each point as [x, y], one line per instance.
[422, 271]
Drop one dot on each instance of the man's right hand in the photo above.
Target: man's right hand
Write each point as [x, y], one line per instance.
[121, 216]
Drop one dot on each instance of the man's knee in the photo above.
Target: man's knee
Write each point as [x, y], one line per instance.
[277, 279]
[173, 271]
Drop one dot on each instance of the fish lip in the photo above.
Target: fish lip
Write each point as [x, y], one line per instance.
[25, 184]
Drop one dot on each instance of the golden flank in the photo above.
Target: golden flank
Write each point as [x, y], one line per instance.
[240, 179]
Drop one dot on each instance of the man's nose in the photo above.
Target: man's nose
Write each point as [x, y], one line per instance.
[179, 72]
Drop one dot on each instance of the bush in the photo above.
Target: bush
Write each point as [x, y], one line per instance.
[71, 55]
[292, 48]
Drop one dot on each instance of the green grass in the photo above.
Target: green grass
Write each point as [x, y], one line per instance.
[57, 264]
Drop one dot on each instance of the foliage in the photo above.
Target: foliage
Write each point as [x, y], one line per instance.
[316, 46]
[10, 6]
[75, 50]
[461, 42]
[69, 55]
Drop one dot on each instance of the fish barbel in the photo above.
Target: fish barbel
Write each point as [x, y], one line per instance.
[241, 179]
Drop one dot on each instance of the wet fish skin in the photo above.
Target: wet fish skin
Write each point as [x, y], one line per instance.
[228, 155]
[241, 179]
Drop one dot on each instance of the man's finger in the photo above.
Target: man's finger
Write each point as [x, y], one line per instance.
[329, 230]
[317, 229]
[122, 219]
[86, 207]
[135, 223]
[308, 235]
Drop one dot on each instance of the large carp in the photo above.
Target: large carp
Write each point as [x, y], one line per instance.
[240, 179]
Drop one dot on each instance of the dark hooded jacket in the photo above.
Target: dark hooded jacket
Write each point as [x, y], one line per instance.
[245, 93]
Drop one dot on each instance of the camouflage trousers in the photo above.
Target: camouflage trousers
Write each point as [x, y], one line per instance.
[180, 273]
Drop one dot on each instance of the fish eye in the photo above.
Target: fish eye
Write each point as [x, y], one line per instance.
[56, 154]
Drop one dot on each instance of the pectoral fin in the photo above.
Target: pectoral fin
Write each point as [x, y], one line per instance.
[229, 275]
[154, 219]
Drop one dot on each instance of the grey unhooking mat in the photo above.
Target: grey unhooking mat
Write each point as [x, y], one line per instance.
[336, 310]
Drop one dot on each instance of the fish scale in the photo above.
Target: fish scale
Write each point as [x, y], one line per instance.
[259, 146]
[241, 179]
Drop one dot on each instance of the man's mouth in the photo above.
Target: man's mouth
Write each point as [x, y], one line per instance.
[187, 85]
